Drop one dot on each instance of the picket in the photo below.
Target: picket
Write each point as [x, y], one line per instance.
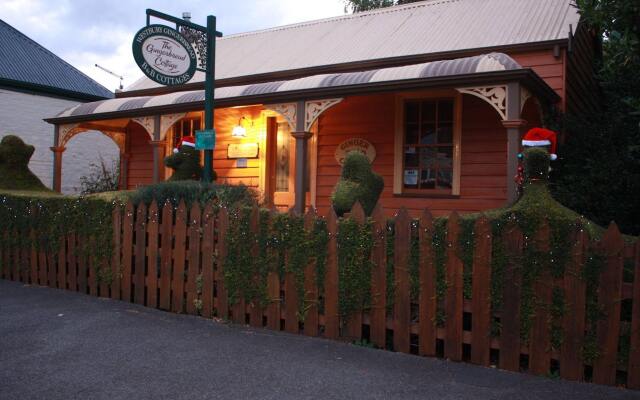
[92, 280]
[166, 256]
[540, 340]
[116, 257]
[331, 316]
[511, 291]
[454, 295]
[152, 255]
[82, 252]
[208, 237]
[609, 295]
[573, 322]
[310, 311]
[127, 251]
[378, 313]
[193, 268]
[427, 306]
[24, 276]
[140, 253]
[353, 322]
[179, 255]
[402, 301]
[255, 309]
[481, 293]
[73, 265]
[633, 370]
[33, 259]
[221, 251]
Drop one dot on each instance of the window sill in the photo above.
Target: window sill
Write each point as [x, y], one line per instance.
[427, 195]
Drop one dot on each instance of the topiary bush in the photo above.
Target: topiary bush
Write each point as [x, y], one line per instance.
[192, 191]
[185, 164]
[14, 166]
[357, 183]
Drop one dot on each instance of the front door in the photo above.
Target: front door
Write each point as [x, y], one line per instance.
[280, 163]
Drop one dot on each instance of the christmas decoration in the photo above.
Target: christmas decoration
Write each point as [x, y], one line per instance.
[537, 137]
[185, 161]
[14, 166]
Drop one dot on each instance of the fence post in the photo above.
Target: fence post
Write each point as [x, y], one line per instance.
[140, 252]
[331, 318]
[454, 296]
[353, 324]
[540, 340]
[310, 286]
[152, 256]
[255, 309]
[573, 320]
[223, 299]
[402, 303]
[273, 292]
[378, 315]
[208, 238]
[511, 291]
[179, 255]
[609, 299]
[193, 269]
[127, 250]
[166, 253]
[116, 217]
[481, 294]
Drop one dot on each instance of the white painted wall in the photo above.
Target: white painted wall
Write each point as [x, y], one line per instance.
[22, 114]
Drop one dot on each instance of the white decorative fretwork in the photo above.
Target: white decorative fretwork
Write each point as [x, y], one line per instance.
[66, 132]
[167, 121]
[525, 94]
[314, 108]
[147, 123]
[288, 112]
[494, 95]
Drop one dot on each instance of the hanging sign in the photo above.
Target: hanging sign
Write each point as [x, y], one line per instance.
[355, 144]
[164, 55]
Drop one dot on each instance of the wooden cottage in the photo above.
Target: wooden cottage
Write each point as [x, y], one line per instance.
[436, 93]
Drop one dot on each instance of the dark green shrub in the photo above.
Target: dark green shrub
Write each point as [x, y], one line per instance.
[185, 164]
[357, 183]
[536, 164]
[14, 166]
[191, 191]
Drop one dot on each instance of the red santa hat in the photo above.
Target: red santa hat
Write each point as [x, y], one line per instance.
[541, 137]
[187, 141]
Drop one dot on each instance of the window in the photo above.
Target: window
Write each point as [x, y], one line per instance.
[184, 127]
[427, 146]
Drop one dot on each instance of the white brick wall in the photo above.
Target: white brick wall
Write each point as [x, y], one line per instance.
[21, 114]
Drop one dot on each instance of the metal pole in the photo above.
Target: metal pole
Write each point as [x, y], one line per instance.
[209, 87]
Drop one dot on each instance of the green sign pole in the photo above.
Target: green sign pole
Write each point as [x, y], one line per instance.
[209, 87]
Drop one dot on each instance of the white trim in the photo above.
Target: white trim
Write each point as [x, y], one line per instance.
[187, 144]
[536, 143]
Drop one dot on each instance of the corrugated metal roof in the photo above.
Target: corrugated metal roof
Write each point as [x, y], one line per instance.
[25, 61]
[418, 28]
[462, 66]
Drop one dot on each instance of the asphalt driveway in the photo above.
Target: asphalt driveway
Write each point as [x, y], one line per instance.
[56, 344]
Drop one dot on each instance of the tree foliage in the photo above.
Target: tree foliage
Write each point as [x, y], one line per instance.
[364, 5]
[599, 171]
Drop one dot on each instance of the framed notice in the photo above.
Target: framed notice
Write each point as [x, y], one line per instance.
[410, 176]
[242, 150]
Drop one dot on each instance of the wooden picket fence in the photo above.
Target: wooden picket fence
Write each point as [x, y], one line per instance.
[170, 258]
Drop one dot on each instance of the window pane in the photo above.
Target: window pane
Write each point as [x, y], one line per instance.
[428, 134]
[282, 158]
[428, 157]
[445, 177]
[428, 111]
[411, 112]
[412, 133]
[445, 133]
[428, 178]
[445, 157]
[445, 111]
[410, 157]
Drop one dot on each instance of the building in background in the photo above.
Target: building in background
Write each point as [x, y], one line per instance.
[34, 84]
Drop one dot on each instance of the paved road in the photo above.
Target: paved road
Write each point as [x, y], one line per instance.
[62, 345]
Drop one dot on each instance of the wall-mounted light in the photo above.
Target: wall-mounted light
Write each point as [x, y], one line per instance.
[239, 131]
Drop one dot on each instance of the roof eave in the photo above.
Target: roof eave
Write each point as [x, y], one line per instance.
[525, 76]
[48, 90]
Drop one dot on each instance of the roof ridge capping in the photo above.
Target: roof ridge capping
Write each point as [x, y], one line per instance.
[361, 14]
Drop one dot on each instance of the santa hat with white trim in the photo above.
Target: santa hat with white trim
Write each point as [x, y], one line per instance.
[187, 141]
[541, 137]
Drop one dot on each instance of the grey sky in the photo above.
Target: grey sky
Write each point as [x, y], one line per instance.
[84, 32]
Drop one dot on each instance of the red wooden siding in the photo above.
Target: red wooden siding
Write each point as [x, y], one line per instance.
[140, 170]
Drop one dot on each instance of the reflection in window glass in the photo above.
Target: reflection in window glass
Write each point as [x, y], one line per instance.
[282, 157]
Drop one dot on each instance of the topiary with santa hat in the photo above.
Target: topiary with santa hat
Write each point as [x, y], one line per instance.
[185, 161]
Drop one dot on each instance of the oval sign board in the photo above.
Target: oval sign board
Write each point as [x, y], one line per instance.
[355, 144]
[164, 55]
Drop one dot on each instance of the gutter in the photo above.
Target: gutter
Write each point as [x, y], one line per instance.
[53, 91]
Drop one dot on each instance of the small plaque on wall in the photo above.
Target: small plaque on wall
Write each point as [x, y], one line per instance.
[242, 150]
[355, 144]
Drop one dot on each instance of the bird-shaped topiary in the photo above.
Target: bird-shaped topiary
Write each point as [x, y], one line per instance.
[14, 166]
[357, 183]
